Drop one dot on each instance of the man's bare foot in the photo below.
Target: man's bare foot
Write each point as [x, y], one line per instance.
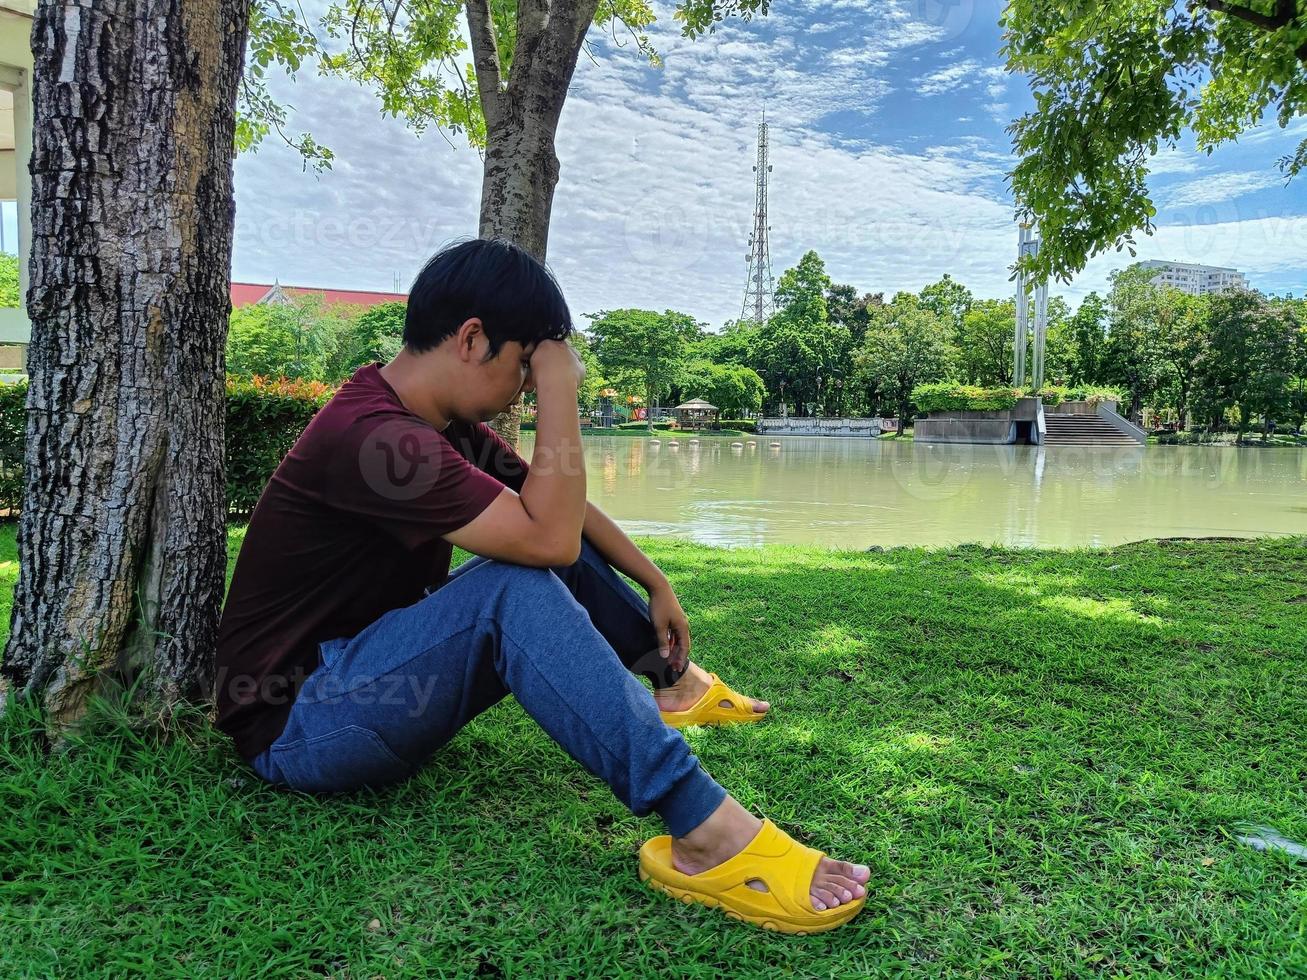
[683, 695]
[730, 829]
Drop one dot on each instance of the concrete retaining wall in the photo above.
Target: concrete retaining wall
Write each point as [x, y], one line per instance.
[1026, 409]
[992, 428]
[995, 431]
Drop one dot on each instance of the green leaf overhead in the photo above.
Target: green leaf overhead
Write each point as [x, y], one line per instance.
[1116, 82]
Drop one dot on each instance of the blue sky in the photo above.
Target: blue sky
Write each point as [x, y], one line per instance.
[887, 124]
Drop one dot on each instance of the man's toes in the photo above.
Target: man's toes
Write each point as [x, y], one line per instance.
[823, 899]
[854, 889]
[762, 707]
[858, 872]
[842, 888]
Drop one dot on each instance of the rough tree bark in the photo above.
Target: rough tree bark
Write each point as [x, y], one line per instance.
[521, 165]
[121, 539]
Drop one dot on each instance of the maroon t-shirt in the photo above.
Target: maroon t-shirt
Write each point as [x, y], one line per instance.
[348, 528]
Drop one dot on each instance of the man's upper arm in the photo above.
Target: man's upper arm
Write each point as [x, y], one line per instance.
[406, 479]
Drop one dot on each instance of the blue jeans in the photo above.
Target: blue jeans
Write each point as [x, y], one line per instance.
[565, 642]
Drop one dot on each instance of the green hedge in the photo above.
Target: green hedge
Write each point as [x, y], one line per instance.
[743, 425]
[264, 418]
[949, 396]
[1056, 395]
[1052, 395]
[13, 436]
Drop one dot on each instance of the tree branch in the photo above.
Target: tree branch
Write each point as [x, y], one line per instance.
[533, 18]
[1285, 12]
[557, 29]
[485, 56]
[571, 27]
[365, 64]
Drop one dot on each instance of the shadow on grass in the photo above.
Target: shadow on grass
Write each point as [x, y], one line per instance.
[1039, 754]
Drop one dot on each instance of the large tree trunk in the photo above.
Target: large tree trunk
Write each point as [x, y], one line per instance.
[518, 181]
[521, 167]
[121, 540]
[517, 198]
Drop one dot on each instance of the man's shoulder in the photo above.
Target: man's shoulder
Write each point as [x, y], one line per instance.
[361, 405]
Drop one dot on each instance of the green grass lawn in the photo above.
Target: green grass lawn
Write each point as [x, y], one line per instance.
[1041, 755]
[1192, 438]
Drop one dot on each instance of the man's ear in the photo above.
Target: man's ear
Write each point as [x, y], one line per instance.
[468, 334]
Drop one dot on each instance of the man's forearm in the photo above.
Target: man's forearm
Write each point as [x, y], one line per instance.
[554, 490]
[620, 551]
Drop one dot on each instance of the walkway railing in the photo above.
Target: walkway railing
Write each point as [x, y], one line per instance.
[1122, 424]
[870, 428]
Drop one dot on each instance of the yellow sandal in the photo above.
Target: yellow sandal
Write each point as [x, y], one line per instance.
[773, 857]
[708, 709]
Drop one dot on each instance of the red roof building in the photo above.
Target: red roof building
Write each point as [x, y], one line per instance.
[249, 293]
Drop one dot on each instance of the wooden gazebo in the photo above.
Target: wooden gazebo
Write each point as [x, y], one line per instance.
[695, 414]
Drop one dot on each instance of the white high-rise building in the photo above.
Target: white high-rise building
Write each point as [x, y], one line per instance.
[1189, 277]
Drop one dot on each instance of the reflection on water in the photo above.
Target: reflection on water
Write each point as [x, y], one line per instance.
[853, 493]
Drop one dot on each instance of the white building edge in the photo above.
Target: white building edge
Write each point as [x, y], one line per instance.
[15, 152]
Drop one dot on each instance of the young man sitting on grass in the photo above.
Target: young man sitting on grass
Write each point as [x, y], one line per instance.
[348, 652]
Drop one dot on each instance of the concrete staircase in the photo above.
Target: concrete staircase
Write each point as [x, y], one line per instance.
[1083, 430]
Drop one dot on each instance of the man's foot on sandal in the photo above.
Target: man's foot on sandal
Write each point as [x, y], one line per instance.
[731, 828]
[687, 691]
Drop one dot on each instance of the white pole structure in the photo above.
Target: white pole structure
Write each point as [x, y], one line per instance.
[1023, 311]
[1041, 330]
[1028, 244]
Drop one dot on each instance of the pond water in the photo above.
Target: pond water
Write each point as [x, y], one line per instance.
[855, 493]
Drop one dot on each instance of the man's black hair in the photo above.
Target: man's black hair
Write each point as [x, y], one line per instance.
[513, 295]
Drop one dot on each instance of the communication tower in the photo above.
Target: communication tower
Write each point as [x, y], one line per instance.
[760, 287]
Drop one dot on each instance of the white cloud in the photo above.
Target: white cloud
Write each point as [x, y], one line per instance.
[1217, 187]
[1290, 134]
[1173, 160]
[946, 79]
[963, 75]
[655, 198]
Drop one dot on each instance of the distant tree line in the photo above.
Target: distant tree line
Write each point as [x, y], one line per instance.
[1236, 361]
[8, 280]
[312, 340]
[1233, 361]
